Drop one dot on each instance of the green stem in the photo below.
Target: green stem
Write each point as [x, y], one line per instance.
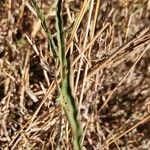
[65, 92]
[66, 98]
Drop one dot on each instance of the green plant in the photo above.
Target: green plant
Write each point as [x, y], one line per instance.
[62, 61]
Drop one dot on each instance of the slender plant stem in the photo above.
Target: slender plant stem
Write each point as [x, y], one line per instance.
[66, 98]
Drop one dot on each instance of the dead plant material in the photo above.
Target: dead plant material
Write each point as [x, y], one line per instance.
[108, 46]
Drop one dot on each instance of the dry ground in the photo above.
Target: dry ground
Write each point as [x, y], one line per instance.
[110, 54]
